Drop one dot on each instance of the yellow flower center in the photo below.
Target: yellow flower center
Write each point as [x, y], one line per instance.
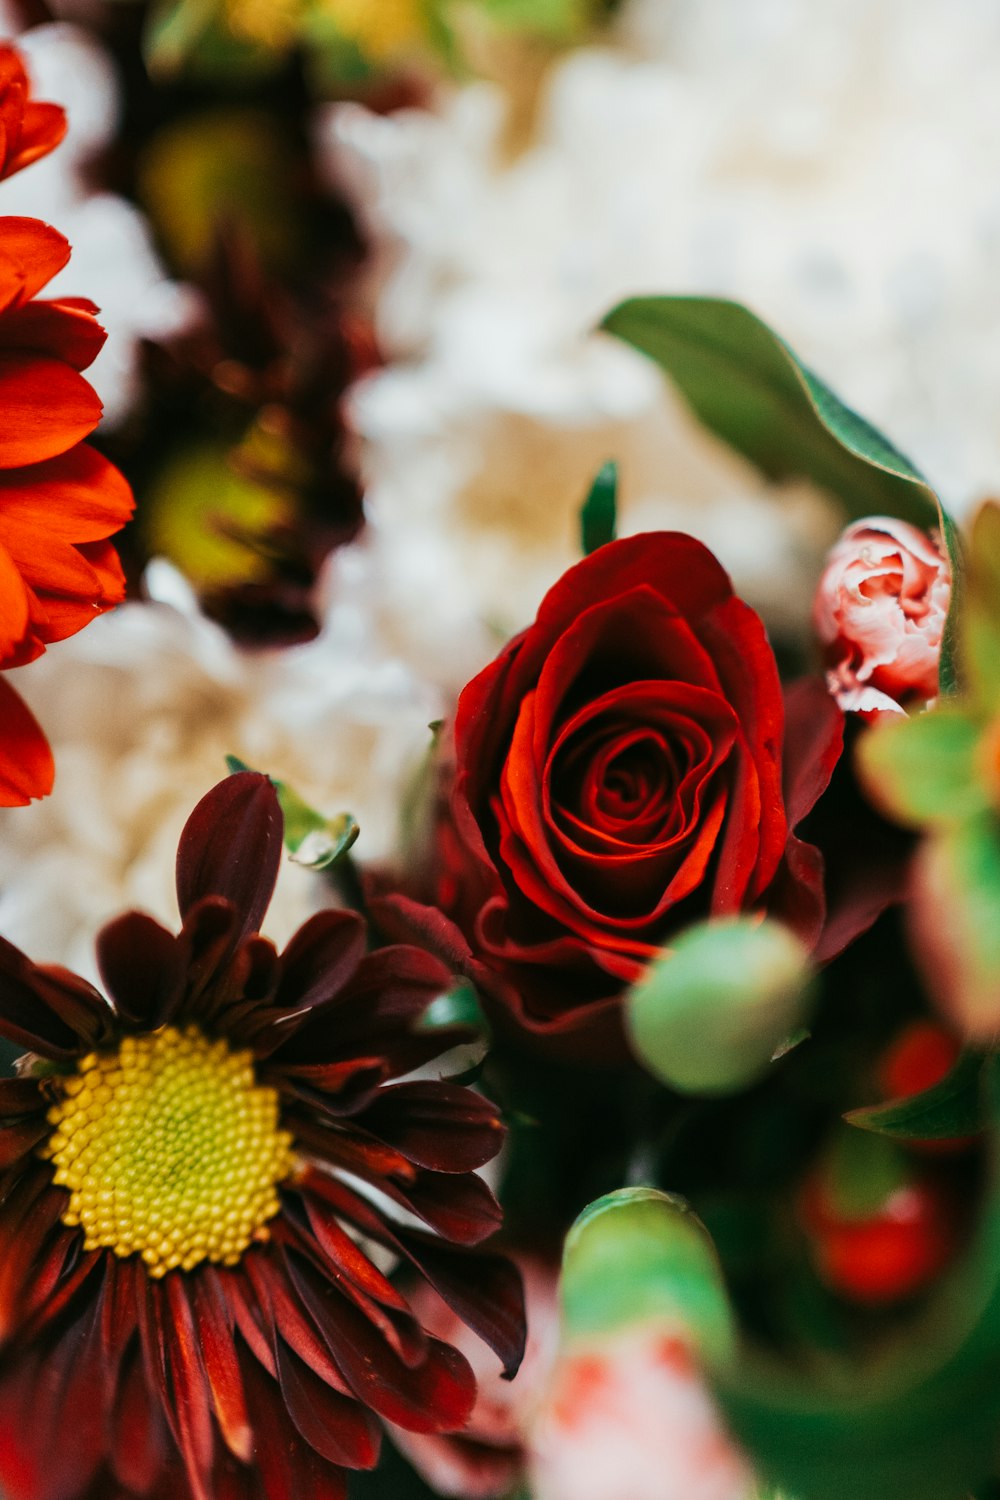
[170, 1150]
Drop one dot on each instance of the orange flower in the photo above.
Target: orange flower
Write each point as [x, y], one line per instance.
[60, 500]
[28, 129]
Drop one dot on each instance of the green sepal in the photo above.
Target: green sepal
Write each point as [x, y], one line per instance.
[599, 513]
[745, 384]
[310, 838]
[923, 771]
[639, 1256]
[714, 1013]
[949, 1109]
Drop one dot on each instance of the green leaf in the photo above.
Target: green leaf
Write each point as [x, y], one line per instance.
[979, 617]
[638, 1256]
[599, 515]
[459, 1018]
[919, 1421]
[950, 1109]
[711, 1016]
[746, 385]
[954, 918]
[923, 771]
[310, 838]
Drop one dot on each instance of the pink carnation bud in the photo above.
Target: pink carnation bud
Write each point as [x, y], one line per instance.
[483, 1461]
[880, 611]
[629, 1418]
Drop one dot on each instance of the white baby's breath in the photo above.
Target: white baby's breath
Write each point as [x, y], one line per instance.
[143, 707]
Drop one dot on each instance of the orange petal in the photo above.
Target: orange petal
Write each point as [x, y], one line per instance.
[58, 328]
[30, 255]
[77, 497]
[47, 407]
[15, 611]
[26, 766]
[42, 128]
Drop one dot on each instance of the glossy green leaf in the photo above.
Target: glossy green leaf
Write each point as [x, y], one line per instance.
[599, 515]
[711, 1016]
[638, 1256]
[923, 771]
[919, 1422]
[950, 1109]
[746, 385]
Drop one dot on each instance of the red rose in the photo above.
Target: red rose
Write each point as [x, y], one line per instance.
[619, 775]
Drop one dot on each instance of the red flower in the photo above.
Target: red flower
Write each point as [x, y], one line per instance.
[28, 129]
[60, 500]
[191, 1175]
[618, 775]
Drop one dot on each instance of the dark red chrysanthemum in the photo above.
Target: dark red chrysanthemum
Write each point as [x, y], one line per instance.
[29, 128]
[194, 1173]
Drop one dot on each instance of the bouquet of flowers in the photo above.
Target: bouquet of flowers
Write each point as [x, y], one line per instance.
[608, 1106]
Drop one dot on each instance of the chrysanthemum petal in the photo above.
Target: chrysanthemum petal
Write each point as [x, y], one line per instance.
[289, 1469]
[25, 1017]
[337, 1427]
[142, 967]
[190, 1407]
[222, 1367]
[138, 1445]
[486, 1291]
[437, 1125]
[231, 847]
[26, 766]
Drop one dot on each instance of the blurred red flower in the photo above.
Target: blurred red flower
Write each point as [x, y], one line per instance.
[29, 128]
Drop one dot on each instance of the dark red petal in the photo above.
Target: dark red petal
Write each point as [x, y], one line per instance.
[350, 1264]
[139, 1441]
[337, 1427]
[435, 1396]
[142, 966]
[486, 1292]
[231, 847]
[191, 1395]
[243, 1306]
[321, 958]
[222, 1367]
[117, 1312]
[25, 1016]
[17, 1140]
[290, 1321]
[76, 1002]
[20, 1096]
[27, 1215]
[460, 1207]
[336, 1091]
[289, 1469]
[437, 1125]
[814, 741]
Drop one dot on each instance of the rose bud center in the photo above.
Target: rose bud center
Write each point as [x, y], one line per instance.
[170, 1149]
